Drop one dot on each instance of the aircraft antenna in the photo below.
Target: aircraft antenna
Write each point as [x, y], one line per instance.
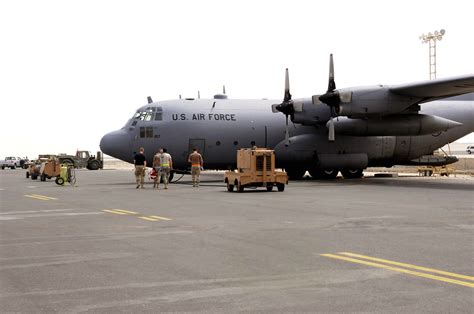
[149, 99]
[199, 95]
[223, 89]
[179, 96]
[432, 38]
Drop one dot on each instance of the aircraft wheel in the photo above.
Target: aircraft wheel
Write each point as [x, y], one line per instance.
[323, 174]
[230, 187]
[352, 173]
[280, 187]
[295, 173]
[269, 188]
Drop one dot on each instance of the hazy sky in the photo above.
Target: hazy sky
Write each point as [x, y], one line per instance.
[71, 71]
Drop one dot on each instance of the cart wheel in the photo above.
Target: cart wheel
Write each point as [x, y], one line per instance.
[269, 188]
[27, 174]
[230, 187]
[281, 187]
[43, 177]
[34, 176]
[240, 188]
[59, 181]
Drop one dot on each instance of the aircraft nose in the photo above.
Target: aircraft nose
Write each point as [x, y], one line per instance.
[114, 143]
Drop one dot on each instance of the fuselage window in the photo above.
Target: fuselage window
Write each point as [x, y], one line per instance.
[149, 132]
[146, 132]
[158, 116]
[218, 143]
[134, 123]
[236, 143]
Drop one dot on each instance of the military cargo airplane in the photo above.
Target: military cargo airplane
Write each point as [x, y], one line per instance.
[343, 130]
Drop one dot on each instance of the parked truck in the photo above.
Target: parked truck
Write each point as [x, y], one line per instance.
[83, 159]
[11, 162]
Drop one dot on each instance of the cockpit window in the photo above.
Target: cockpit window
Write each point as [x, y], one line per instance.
[149, 114]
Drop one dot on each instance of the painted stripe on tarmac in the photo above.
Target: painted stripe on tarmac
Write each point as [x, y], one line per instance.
[125, 211]
[148, 218]
[160, 218]
[426, 269]
[400, 270]
[113, 212]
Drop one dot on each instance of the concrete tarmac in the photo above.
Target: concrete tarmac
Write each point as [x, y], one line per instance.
[397, 245]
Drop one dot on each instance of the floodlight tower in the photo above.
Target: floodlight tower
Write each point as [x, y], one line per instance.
[432, 39]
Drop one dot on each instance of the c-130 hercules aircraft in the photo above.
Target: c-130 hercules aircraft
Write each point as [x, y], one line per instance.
[343, 130]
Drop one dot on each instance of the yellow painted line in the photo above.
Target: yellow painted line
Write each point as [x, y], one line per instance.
[401, 270]
[40, 197]
[125, 211]
[148, 218]
[51, 198]
[160, 218]
[113, 212]
[431, 270]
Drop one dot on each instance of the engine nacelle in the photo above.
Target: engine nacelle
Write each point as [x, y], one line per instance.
[372, 101]
[394, 125]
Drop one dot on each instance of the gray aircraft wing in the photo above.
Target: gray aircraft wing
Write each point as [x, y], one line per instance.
[437, 88]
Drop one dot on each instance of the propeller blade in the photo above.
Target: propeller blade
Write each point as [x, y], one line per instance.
[332, 82]
[287, 96]
[287, 133]
[331, 135]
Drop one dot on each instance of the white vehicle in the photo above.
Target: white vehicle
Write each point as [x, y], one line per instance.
[470, 149]
[10, 162]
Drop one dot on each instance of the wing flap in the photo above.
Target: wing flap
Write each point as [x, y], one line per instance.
[437, 88]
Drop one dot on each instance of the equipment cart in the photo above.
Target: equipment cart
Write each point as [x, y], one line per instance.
[255, 168]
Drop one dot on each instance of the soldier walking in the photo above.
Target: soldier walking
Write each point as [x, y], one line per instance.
[196, 164]
[166, 165]
[140, 166]
[157, 167]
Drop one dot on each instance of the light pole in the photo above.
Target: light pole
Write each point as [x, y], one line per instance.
[431, 39]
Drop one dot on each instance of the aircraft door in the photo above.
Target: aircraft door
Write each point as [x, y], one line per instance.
[199, 144]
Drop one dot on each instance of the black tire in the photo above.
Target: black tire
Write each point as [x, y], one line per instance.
[27, 174]
[43, 177]
[323, 174]
[280, 187]
[352, 173]
[34, 176]
[13, 167]
[93, 165]
[295, 173]
[59, 181]
[3, 167]
[240, 188]
[269, 188]
[230, 187]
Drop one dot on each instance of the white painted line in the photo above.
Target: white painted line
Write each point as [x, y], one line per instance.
[37, 211]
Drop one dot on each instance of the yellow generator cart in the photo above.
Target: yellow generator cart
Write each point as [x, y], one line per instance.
[255, 168]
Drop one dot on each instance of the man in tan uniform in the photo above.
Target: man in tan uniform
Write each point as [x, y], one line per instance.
[196, 163]
[157, 167]
[166, 164]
